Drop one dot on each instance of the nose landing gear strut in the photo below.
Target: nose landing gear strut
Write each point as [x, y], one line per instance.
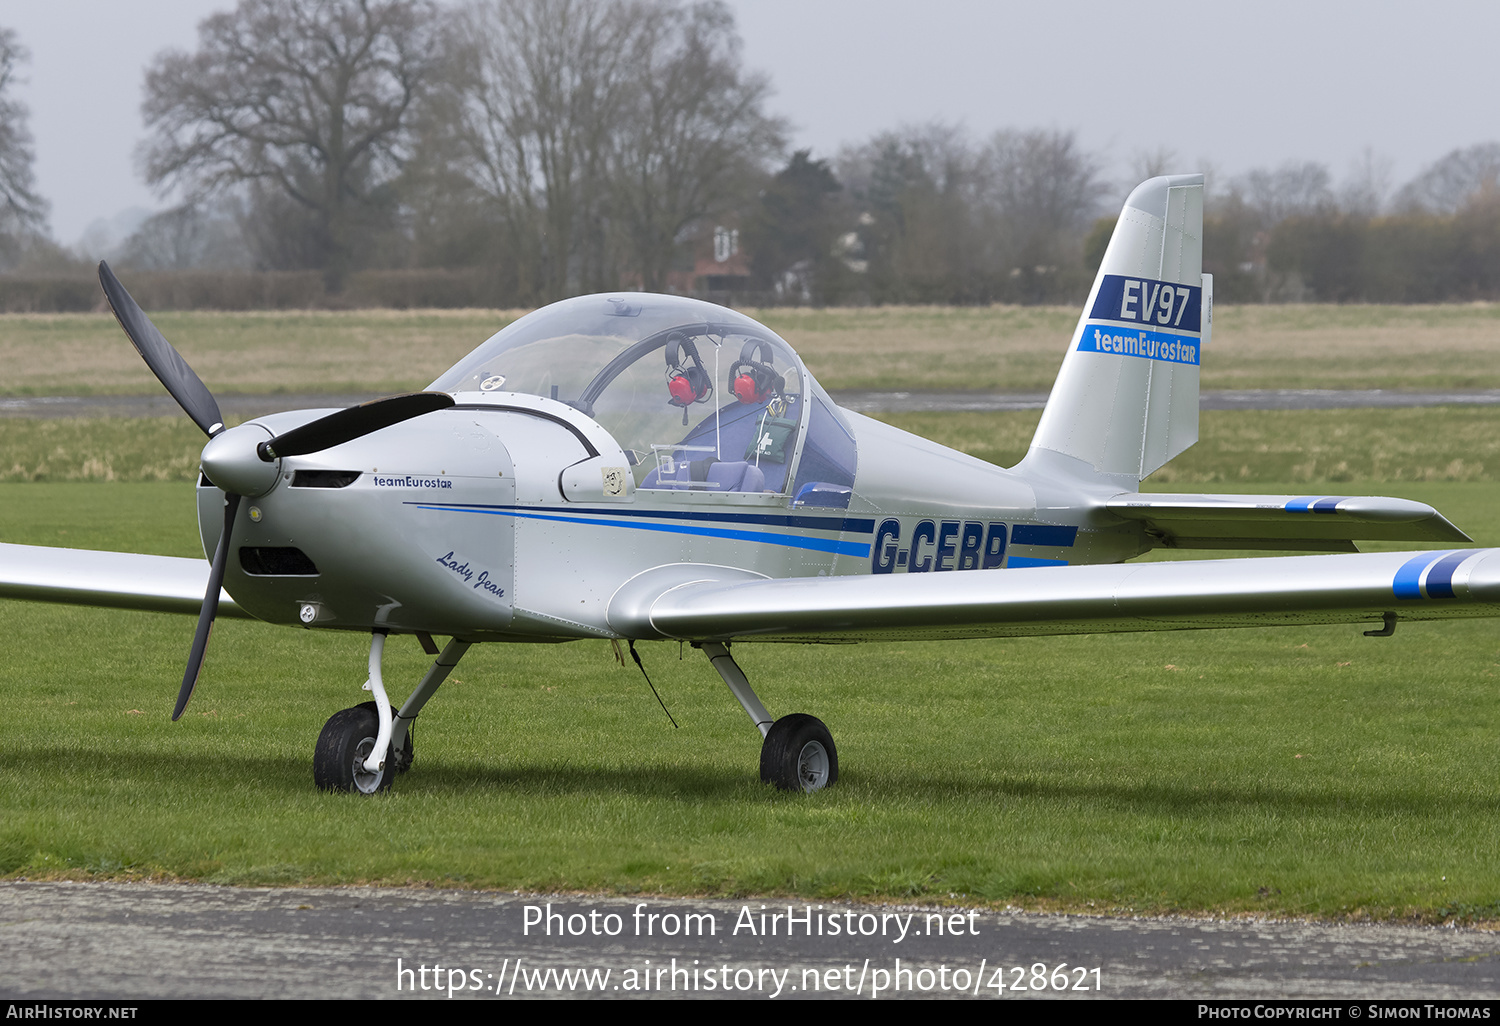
[363, 748]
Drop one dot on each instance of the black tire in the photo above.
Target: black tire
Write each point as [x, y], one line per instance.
[798, 754]
[345, 742]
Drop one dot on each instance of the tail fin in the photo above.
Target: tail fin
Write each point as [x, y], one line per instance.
[1126, 399]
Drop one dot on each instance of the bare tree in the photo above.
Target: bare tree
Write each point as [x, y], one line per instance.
[189, 237]
[937, 152]
[925, 230]
[695, 133]
[22, 211]
[1045, 192]
[1042, 183]
[591, 134]
[1151, 163]
[306, 100]
[1292, 190]
[950, 221]
[1364, 192]
[1454, 180]
[533, 92]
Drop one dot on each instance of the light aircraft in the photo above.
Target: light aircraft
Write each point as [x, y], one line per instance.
[630, 467]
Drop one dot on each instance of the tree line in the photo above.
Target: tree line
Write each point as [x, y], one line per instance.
[543, 148]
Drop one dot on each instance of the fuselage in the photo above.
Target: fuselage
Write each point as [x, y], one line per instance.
[518, 517]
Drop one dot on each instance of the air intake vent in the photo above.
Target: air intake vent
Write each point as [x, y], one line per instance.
[324, 478]
[272, 561]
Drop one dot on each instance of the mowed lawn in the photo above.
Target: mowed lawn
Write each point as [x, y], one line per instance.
[1305, 771]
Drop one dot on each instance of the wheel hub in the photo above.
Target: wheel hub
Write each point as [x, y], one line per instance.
[365, 781]
[812, 766]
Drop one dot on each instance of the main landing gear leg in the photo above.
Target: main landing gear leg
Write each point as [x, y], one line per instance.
[797, 753]
[363, 748]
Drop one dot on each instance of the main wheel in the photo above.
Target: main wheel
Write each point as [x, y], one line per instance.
[347, 740]
[798, 754]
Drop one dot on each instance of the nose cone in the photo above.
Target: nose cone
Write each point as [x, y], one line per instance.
[230, 461]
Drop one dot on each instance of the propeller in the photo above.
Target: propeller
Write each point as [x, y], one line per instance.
[165, 362]
[354, 422]
[209, 611]
[239, 460]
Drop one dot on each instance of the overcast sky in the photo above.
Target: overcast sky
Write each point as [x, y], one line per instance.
[1224, 86]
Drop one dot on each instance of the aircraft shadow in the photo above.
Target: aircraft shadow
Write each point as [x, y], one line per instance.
[143, 773]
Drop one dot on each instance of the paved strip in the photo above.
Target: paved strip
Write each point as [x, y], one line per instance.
[142, 941]
[163, 405]
[1235, 399]
[247, 406]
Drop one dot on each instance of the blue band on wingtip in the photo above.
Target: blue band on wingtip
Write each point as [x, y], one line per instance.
[1440, 577]
[1407, 584]
[1315, 504]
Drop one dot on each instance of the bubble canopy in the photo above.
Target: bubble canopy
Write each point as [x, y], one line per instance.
[681, 384]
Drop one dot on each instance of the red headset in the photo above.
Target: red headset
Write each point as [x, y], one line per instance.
[752, 379]
[687, 381]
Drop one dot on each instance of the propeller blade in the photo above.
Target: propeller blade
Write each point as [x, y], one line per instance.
[355, 422]
[165, 362]
[210, 609]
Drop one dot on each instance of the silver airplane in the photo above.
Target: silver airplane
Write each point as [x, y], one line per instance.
[632, 467]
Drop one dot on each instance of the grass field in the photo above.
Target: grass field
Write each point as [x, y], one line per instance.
[1396, 445]
[975, 348]
[1306, 771]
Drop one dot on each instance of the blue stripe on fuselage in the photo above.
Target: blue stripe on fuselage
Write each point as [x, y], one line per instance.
[1021, 562]
[847, 525]
[633, 521]
[1044, 535]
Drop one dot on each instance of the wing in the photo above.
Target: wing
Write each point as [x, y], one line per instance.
[123, 580]
[1324, 522]
[1260, 592]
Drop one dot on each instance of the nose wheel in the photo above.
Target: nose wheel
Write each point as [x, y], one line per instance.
[345, 744]
[341, 760]
[798, 754]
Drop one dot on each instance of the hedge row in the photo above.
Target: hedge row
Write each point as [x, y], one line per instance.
[251, 290]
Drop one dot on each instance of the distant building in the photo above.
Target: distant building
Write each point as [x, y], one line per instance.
[719, 266]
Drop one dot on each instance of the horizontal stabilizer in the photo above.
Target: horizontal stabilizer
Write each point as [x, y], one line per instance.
[1312, 522]
[1259, 592]
[121, 580]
